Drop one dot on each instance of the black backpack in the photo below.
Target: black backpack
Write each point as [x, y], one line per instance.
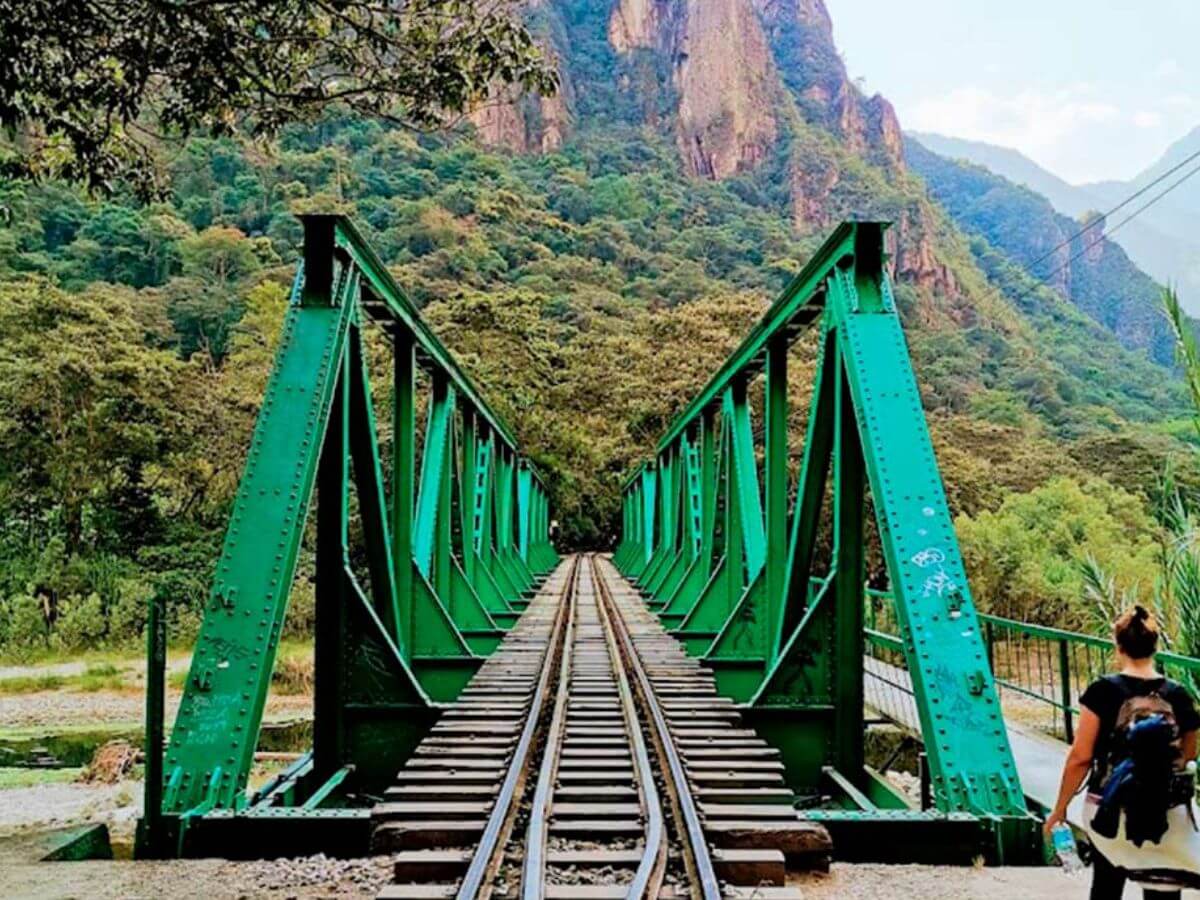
[1142, 773]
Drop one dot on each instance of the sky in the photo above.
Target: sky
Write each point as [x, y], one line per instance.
[1090, 89]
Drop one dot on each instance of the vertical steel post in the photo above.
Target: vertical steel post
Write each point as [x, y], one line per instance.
[318, 260]
[329, 651]
[649, 506]
[744, 468]
[1064, 669]
[926, 783]
[466, 495]
[151, 838]
[775, 455]
[708, 478]
[626, 519]
[525, 504]
[404, 437]
[850, 562]
[989, 638]
[442, 574]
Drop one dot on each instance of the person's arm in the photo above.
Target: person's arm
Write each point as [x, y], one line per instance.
[1189, 745]
[1078, 764]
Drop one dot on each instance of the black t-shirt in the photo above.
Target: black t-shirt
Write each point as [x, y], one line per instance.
[1106, 695]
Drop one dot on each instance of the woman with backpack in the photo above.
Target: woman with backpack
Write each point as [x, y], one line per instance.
[1135, 738]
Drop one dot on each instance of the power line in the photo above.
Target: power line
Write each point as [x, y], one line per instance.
[1151, 202]
[1108, 232]
[1104, 216]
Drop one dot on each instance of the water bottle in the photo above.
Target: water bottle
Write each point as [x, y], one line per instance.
[1063, 841]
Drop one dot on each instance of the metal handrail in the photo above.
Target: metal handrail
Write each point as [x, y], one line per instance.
[1163, 657]
[1065, 661]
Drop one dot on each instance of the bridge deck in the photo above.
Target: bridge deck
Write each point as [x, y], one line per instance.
[1039, 757]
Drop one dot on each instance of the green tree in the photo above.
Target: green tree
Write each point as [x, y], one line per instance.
[1024, 559]
[85, 409]
[220, 256]
[99, 80]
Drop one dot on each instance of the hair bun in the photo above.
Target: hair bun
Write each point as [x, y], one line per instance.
[1136, 632]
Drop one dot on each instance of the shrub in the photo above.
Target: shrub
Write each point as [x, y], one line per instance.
[81, 623]
[293, 675]
[1025, 558]
[24, 627]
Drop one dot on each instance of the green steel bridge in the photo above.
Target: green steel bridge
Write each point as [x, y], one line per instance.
[760, 573]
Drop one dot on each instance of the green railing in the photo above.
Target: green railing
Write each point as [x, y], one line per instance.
[1041, 671]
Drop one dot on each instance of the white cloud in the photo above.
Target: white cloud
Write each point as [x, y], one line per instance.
[1180, 102]
[1145, 118]
[1168, 68]
[1032, 121]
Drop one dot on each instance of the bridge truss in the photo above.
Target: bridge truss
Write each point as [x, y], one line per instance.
[755, 578]
[417, 577]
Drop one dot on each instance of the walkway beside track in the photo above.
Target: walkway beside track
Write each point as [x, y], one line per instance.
[1039, 757]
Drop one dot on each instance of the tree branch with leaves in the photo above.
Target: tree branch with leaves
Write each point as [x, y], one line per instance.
[88, 88]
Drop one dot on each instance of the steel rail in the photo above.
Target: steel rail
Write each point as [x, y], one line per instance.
[648, 879]
[489, 854]
[533, 871]
[697, 854]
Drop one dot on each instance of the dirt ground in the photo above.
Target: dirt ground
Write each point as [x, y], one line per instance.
[319, 877]
[61, 710]
[25, 811]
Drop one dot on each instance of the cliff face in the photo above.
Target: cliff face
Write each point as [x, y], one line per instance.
[914, 259]
[749, 73]
[636, 23]
[731, 65]
[524, 124]
[801, 36]
[721, 70]
[531, 124]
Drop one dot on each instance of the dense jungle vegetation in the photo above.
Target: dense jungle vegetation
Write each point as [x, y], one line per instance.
[589, 291]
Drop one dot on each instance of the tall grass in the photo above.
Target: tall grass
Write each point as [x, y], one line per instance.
[1179, 588]
[1176, 591]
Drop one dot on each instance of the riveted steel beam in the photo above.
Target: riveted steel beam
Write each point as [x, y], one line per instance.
[782, 623]
[400, 626]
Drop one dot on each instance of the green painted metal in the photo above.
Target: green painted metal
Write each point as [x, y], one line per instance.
[400, 626]
[75, 844]
[148, 840]
[781, 623]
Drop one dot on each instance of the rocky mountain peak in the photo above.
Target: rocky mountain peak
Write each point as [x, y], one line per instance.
[801, 35]
[722, 71]
[730, 65]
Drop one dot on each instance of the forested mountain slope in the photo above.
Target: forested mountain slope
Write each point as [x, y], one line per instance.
[1162, 240]
[1070, 255]
[590, 258]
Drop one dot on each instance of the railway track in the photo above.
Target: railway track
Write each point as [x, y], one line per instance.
[590, 757]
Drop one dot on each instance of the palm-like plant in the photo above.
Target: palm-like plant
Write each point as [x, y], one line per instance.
[1175, 598]
[1187, 353]
[1104, 600]
[1179, 589]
